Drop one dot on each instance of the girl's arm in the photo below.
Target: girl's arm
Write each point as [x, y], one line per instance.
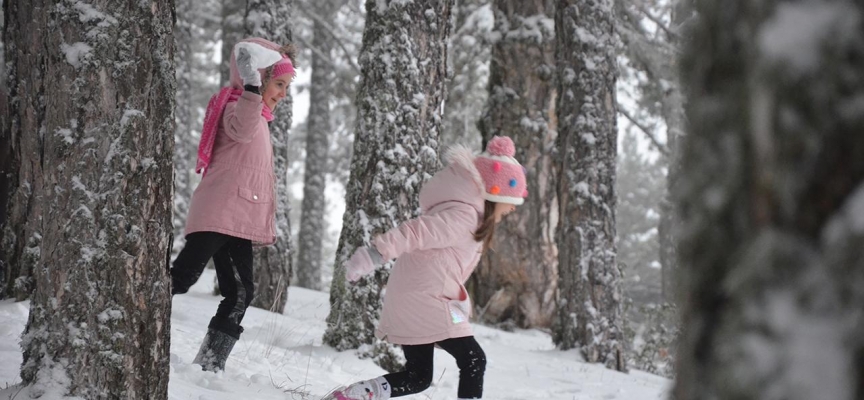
[242, 119]
[451, 226]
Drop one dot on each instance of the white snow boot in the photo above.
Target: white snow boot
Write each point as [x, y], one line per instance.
[373, 389]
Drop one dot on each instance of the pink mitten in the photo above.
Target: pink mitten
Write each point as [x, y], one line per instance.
[359, 264]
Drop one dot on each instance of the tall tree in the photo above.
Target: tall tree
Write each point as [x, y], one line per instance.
[469, 53]
[271, 19]
[772, 200]
[185, 145]
[102, 98]
[516, 281]
[640, 186]
[652, 46]
[589, 305]
[404, 64]
[21, 178]
[233, 28]
[318, 134]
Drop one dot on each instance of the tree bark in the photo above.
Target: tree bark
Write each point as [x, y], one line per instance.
[589, 305]
[102, 134]
[771, 198]
[516, 281]
[22, 161]
[403, 60]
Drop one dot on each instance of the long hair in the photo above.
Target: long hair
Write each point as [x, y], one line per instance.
[486, 231]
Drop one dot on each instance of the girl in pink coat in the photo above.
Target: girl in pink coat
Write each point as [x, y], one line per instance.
[426, 304]
[233, 208]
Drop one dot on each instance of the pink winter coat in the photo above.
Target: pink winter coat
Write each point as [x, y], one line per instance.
[426, 301]
[236, 195]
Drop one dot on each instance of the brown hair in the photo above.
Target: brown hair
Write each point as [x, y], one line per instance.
[289, 50]
[486, 231]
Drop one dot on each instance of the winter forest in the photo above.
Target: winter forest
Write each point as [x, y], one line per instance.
[693, 226]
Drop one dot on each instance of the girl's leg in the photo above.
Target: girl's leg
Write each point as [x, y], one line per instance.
[472, 365]
[233, 263]
[234, 272]
[199, 248]
[417, 375]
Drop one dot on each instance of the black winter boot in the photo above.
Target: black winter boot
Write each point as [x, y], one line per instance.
[217, 345]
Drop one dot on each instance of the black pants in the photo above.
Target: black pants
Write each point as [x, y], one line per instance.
[233, 260]
[417, 376]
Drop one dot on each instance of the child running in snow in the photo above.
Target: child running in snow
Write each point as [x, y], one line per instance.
[426, 304]
[233, 208]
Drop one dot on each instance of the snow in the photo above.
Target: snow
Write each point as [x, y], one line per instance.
[282, 357]
[76, 53]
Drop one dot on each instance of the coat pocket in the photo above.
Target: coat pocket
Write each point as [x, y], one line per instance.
[255, 196]
[459, 310]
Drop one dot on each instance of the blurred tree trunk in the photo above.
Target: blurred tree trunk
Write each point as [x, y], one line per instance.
[395, 151]
[101, 200]
[233, 21]
[469, 53]
[319, 132]
[771, 195]
[589, 305]
[185, 145]
[516, 281]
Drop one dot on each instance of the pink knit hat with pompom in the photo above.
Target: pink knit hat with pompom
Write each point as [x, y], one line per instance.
[503, 176]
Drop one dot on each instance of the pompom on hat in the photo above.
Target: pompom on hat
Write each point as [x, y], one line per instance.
[503, 176]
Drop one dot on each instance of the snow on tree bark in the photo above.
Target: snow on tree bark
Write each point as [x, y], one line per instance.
[21, 230]
[403, 60]
[271, 19]
[589, 306]
[771, 202]
[319, 131]
[103, 134]
[516, 281]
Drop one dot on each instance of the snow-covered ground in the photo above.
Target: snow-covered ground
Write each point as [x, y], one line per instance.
[282, 357]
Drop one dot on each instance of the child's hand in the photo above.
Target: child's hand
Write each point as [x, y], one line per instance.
[250, 58]
[361, 263]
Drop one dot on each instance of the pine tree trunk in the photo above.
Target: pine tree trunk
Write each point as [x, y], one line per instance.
[319, 131]
[772, 197]
[403, 60]
[233, 20]
[271, 19]
[185, 146]
[516, 281]
[100, 313]
[22, 161]
[672, 109]
[589, 305]
[469, 52]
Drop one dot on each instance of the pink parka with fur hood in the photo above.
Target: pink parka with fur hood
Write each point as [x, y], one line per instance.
[435, 253]
[236, 195]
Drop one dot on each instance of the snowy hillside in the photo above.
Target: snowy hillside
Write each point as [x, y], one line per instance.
[281, 357]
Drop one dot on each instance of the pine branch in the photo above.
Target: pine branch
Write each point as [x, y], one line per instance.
[660, 147]
[660, 24]
[327, 27]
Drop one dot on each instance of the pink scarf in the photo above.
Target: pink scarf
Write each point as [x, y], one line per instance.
[215, 108]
